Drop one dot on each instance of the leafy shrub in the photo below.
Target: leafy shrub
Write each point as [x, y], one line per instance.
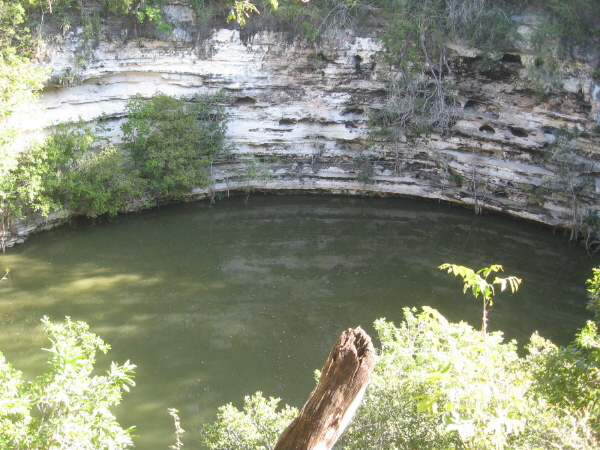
[66, 407]
[100, 182]
[23, 185]
[364, 168]
[173, 141]
[594, 293]
[565, 22]
[446, 385]
[569, 378]
[88, 177]
[257, 426]
[143, 11]
[169, 143]
[445, 388]
[20, 78]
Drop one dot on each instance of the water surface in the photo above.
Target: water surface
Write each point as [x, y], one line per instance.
[214, 303]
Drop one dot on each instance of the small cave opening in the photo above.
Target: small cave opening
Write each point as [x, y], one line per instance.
[353, 110]
[468, 60]
[479, 108]
[511, 58]
[471, 104]
[518, 132]
[549, 133]
[285, 121]
[487, 129]
[357, 62]
[245, 101]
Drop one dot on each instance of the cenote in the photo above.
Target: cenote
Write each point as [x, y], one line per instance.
[214, 303]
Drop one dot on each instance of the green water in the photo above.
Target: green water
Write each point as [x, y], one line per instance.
[216, 303]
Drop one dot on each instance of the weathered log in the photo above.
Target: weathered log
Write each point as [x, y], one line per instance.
[332, 404]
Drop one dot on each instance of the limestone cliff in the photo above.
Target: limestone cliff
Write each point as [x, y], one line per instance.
[303, 109]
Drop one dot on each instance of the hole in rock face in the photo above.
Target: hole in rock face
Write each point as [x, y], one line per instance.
[518, 132]
[470, 59]
[245, 101]
[487, 129]
[353, 110]
[511, 58]
[471, 104]
[357, 61]
[286, 121]
[549, 133]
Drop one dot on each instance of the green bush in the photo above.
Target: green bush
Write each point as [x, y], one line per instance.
[89, 177]
[169, 143]
[445, 388]
[101, 182]
[20, 79]
[143, 11]
[594, 293]
[257, 426]
[23, 185]
[446, 385]
[173, 141]
[66, 407]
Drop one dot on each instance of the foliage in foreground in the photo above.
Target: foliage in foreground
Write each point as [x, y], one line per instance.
[436, 385]
[66, 407]
[446, 385]
[446, 388]
[257, 426]
[476, 282]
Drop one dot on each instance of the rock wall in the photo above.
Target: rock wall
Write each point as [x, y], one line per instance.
[302, 109]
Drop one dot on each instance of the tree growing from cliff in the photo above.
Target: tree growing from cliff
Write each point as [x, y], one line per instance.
[23, 187]
[87, 176]
[20, 79]
[173, 141]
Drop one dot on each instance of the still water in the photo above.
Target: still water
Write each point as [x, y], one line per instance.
[213, 303]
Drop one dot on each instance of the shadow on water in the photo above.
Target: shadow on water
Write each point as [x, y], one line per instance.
[216, 303]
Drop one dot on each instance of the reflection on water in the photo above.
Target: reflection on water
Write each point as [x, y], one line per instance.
[216, 303]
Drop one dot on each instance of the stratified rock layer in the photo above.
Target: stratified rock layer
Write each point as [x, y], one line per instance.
[302, 109]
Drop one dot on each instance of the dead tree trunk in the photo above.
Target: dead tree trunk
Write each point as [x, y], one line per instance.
[336, 398]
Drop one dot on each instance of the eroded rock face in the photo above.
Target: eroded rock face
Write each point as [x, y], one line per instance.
[307, 105]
